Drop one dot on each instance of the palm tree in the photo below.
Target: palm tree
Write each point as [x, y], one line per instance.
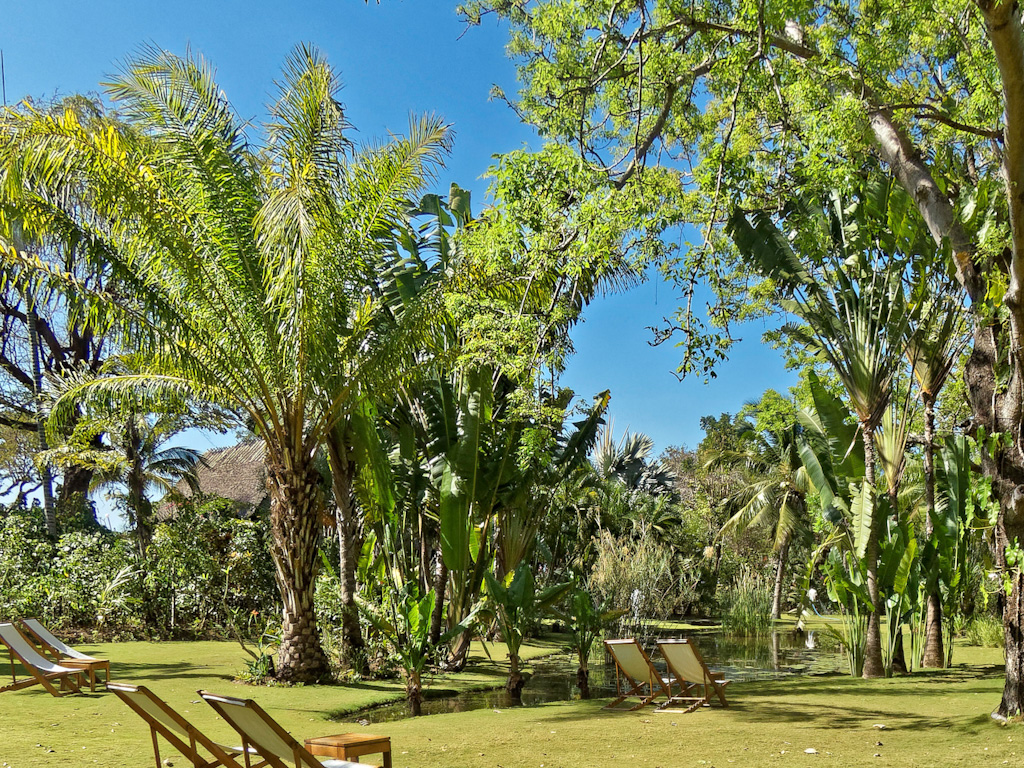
[774, 495]
[933, 344]
[132, 460]
[246, 268]
[854, 318]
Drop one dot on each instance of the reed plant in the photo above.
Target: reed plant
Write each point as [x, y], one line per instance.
[747, 605]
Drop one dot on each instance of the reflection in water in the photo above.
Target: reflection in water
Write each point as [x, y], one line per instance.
[554, 678]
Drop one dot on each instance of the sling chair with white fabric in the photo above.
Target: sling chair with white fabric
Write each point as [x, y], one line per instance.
[63, 654]
[696, 681]
[175, 729]
[44, 671]
[263, 736]
[635, 675]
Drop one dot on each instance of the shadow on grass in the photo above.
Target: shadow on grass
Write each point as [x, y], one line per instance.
[163, 670]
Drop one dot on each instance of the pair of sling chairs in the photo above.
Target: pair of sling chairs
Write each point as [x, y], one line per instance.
[264, 742]
[47, 660]
[689, 681]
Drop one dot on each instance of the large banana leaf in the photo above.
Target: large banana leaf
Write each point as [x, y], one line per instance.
[462, 467]
[768, 247]
[846, 450]
[862, 516]
[370, 454]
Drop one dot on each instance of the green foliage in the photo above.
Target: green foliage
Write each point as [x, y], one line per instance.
[517, 605]
[634, 577]
[985, 630]
[202, 568]
[747, 605]
[585, 621]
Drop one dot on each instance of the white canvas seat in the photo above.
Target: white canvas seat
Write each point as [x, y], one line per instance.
[64, 654]
[696, 681]
[175, 729]
[44, 671]
[635, 675]
[263, 736]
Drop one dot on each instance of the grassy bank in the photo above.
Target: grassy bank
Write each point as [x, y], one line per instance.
[931, 719]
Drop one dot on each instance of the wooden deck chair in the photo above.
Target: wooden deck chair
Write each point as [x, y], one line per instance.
[263, 736]
[696, 681]
[44, 671]
[635, 675]
[65, 655]
[175, 729]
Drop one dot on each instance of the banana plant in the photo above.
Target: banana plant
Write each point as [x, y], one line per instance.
[515, 604]
[405, 623]
[585, 621]
[947, 553]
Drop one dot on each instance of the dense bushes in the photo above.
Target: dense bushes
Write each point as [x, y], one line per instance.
[203, 571]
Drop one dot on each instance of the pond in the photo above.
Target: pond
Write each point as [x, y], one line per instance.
[554, 677]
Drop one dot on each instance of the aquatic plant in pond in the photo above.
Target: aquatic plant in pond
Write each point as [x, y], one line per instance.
[747, 606]
[585, 620]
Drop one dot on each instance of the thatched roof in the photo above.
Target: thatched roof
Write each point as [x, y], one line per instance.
[237, 473]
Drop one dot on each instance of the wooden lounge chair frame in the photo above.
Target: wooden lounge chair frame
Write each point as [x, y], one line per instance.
[44, 671]
[642, 680]
[696, 681]
[64, 654]
[262, 735]
[175, 729]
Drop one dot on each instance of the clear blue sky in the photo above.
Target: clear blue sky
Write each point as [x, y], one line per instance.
[394, 58]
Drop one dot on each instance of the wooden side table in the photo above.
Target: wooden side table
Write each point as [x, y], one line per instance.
[347, 746]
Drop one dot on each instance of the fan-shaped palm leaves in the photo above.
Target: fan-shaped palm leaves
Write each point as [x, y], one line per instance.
[854, 317]
[247, 272]
[133, 461]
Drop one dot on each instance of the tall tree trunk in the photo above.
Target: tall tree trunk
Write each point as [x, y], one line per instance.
[440, 585]
[349, 545]
[873, 666]
[49, 514]
[780, 574]
[997, 410]
[934, 651]
[295, 523]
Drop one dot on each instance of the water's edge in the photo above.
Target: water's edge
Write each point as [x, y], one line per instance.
[553, 678]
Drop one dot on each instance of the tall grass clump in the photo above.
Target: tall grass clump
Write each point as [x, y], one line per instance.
[747, 606]
[633, 578]
[984, 630]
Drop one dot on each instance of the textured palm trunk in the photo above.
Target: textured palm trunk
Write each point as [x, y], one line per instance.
[934, 651]
[140, 508]
[780, 576]
[349, 545]
[295, 522]
[873, 666]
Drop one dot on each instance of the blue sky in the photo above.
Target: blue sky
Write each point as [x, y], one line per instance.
[394, 58]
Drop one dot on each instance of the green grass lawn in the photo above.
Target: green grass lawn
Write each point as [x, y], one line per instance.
[931, 719]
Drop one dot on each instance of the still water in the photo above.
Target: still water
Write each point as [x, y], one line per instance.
[554, 677]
